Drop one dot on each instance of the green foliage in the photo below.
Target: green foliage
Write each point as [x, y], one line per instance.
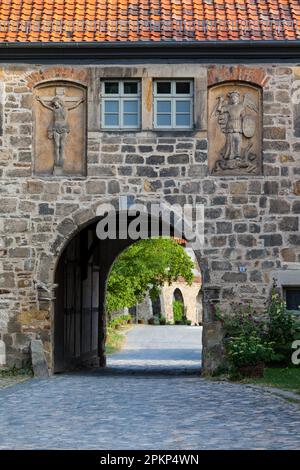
[115, 338]
[15, 371]
[177, 311]
[282, 328]
[287, 378]
[250, 340]
[120, 320]
[249, 350]
[242, 322]
[146, 266]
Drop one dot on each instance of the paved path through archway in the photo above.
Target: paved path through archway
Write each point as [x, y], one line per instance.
[96, 410]
[166, 349]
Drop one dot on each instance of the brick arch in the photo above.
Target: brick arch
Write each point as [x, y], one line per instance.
[219, 74]
[80, 76]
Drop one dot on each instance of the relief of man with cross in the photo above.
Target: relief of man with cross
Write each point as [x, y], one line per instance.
[59, 128]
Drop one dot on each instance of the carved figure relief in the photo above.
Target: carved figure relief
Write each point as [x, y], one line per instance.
[63, 126]
[234, 132]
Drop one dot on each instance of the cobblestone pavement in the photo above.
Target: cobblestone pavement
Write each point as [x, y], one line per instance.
[96, 410]
[10, 381]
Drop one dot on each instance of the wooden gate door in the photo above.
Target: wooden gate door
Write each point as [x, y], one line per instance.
[76, 329]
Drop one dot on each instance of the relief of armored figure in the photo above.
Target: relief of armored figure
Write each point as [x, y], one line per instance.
[238, 125]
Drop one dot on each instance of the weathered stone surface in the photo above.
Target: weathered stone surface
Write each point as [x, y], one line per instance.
[45, 209]
[288, 255]
[279, 206]
[2, 353]
[289, 224]
[234, 277]
[250, 212]
[271, 187]
[95, 187]
[297, 188]
[8, 205]
[113, 187]
[247, 240]
[233, 213]
[224, 227]
[272, 240]
[38, 359]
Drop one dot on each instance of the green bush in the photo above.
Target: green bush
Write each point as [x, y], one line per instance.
[249, 339]
[162, 320]
[177, 311]
[120, 320]
[282, 328]
[249, 350]
[242, 322]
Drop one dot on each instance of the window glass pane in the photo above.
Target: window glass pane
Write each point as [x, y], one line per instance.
[183, 88]
[164, 119]
[130, 106]
[131, 120]
[183, 106]
[111, 119]
[164, 106]
[111, 88]
[183, 120]
[163, 87]
[292, 298]
[130, 88]
[111, 107]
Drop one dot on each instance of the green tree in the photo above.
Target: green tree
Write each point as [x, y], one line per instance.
[146, 266]
[178, 310]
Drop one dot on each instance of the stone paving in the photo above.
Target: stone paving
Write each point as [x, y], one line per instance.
[163, 349]
[13, 380]
[96, 410]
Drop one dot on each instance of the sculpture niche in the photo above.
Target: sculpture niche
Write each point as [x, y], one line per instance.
[63, 128]
[234, 130]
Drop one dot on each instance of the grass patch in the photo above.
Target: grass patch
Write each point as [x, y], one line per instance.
[286, 378]
[15, 372]
[115, 339]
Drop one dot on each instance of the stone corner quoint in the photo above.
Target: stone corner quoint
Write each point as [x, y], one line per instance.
[74, 136]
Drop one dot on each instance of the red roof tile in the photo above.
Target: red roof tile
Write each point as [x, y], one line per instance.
[148, 20]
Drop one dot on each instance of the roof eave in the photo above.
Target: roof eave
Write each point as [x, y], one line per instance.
[225, 50]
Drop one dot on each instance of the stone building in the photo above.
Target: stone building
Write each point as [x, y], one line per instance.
[143, 104]
[189, 295]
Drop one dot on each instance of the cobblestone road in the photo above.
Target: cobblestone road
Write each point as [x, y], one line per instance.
[93, 410]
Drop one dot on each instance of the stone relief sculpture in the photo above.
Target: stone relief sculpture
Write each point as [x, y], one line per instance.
[60, 127]
[234, 130]
[65, 130]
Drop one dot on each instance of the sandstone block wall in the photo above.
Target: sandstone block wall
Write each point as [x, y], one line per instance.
[252, 222]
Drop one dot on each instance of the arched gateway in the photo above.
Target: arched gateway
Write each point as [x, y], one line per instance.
[80, 276]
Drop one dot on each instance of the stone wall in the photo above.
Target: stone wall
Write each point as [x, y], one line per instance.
[189, 295]
[252, 222]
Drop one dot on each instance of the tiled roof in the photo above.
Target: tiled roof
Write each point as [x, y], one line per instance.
[148, 20]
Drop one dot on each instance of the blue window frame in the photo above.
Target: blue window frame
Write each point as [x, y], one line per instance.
[120, 104]
[173, 104]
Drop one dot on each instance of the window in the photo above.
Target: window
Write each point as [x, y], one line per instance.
[292, 298]
[121, 104]
[173, 104]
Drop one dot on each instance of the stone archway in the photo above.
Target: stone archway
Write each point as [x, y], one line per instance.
[79, 253]
[47, 263]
